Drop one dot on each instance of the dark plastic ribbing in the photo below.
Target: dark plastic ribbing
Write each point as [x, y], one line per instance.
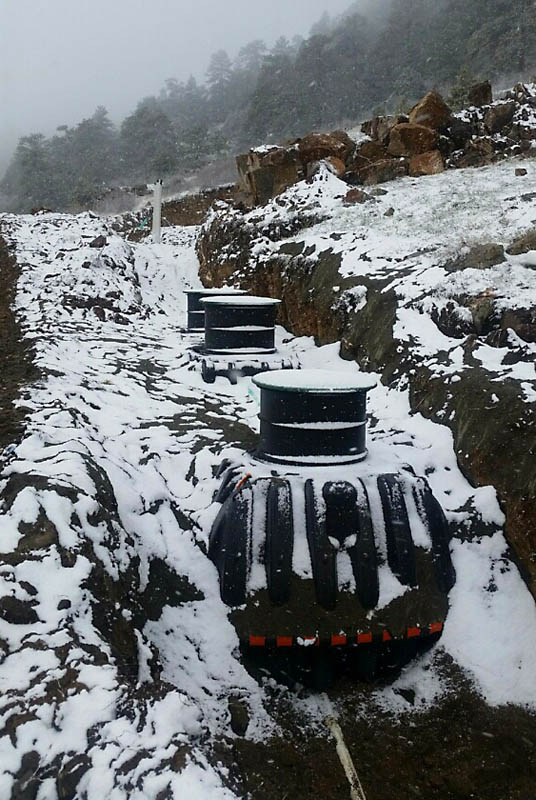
[323, 554]
[363, 556]
[230, 553]
[279, 540]
[234, 327]
[400, 549]
[429, 510]
[347, 515]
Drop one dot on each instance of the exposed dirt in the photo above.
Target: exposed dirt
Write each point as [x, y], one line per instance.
[16, 366]
[459, 750]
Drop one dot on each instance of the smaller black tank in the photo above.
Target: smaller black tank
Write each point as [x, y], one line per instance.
[240, 325]
[196, 312]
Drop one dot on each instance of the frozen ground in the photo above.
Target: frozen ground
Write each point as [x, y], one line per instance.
[115, 471]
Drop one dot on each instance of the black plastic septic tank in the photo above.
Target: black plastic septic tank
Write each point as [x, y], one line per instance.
[313, 417]
[196, 312]
[240, 325]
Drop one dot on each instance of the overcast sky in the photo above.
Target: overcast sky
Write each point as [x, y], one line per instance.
[60, 59]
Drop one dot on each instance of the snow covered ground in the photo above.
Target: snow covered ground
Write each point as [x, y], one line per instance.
[434, 222]
[116, 468]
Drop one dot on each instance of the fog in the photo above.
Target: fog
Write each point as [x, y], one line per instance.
[59, 59]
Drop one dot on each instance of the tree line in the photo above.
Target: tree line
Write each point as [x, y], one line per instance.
[379, 54]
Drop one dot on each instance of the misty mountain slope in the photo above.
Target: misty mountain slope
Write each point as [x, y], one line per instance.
[376, 54]
[119, 658]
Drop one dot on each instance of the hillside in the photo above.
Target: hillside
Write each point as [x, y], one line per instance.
[375, 55]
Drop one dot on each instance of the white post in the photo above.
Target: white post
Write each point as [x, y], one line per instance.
[157, 212]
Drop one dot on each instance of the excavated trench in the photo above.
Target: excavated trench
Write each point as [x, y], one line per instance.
[483, 429]
[461, 748]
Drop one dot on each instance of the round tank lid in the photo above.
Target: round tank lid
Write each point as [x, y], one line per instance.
[223, 290]
[227, 300]
[314, 381]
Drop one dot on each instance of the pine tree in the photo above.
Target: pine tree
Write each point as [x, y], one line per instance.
[149, 143]
[459, 93]
[30, 180]
[219, 77]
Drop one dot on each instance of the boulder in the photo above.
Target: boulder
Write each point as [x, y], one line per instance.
[480, 94]
[499, 116]
[477, 153]
[524, 127]
[267, 182]
[521, 93]
[380, 128]
[431, 111]
[271, 156]
[334, 164]
[521, 172]
[368, 153]
[481, 256]
[100, 241]
[520, 320]
[407, 139]
[271, 171]
[17, 612]
[242, 168]
[426, 164]
[523, 244]
[356, 196]
[317, 146]
[347, 141]
[383, 171]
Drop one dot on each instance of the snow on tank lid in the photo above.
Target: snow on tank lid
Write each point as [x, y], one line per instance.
[314, 380]
[227, 300]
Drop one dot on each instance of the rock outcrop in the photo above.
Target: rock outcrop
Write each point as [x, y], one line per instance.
[427, 141]
[481, 94]
[482, 134]
[266, 172]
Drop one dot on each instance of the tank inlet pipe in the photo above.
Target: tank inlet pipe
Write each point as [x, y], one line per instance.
[356, 790]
